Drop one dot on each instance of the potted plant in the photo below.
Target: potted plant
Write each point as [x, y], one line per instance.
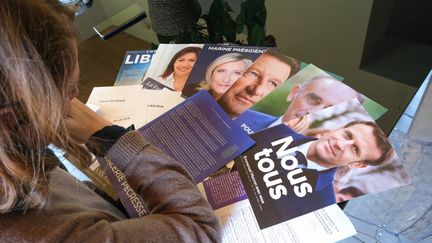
[182, 22]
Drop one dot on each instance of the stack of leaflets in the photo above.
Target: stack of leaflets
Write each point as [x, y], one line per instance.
[272, 142]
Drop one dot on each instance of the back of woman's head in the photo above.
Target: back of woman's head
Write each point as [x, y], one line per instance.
[37, 56]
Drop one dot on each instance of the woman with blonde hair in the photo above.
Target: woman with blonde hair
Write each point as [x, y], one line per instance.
[39, 75]
[220, 74]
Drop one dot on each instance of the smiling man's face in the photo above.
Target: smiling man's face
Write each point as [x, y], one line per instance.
[346, 146]
[257, 81]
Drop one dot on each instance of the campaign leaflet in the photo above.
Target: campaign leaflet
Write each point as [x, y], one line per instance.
[343, 156]
[172, 64]
[134, 67]
[311, 89]
[269, 70]
[116, 103]
[227, 197]
[219, 66]
[276, 188]
[198, 134]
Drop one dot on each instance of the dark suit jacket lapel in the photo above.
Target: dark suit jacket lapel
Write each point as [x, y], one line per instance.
[320, 179]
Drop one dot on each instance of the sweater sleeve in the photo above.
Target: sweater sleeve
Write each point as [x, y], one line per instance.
[178, 212]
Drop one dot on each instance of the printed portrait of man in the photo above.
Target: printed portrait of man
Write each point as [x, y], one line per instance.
[358, 144]
[320, 92]
[311, 165]
[269, 71]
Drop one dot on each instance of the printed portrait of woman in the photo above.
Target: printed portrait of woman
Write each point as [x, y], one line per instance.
[221, 74]
[179, 68]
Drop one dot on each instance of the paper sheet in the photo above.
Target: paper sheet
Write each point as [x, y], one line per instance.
[127, 105]
[226, 195]
[117, 103]
[153, 103]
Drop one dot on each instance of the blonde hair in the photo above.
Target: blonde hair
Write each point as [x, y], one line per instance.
[229, 57]
[36, 61]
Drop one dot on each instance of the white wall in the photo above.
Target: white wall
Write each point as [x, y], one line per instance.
[331, 34]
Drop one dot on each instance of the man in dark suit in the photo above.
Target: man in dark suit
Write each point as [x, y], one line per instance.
[294, 173]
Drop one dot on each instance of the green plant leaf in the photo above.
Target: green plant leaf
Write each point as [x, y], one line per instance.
[230, 27]
[210, 28]
[184, 37]
[241, 20]
[215, 11]
[255, 12]
[165, 39]
[219, 26]
[256, 36]
[222, 23]
[227, 7]
[197, 37]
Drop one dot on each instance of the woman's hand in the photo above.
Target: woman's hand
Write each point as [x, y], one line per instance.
[83, 122]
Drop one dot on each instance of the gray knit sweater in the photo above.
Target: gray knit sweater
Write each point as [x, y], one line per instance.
[77, 214]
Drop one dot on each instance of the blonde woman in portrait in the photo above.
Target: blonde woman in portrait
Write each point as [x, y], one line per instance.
[220, 74]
